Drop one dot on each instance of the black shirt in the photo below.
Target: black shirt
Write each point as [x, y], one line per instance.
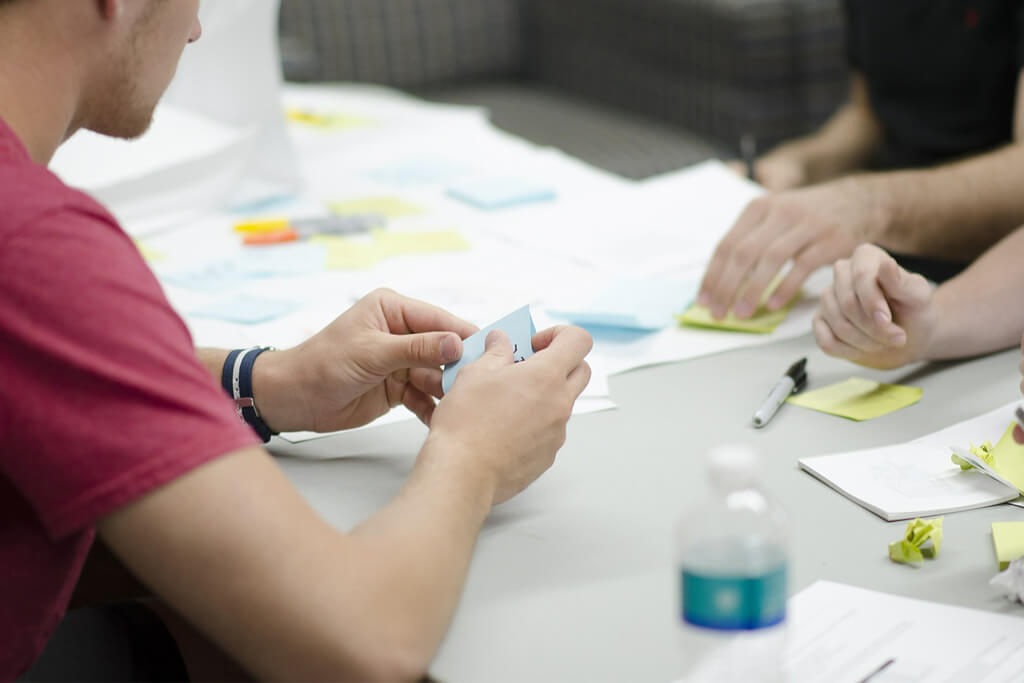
[942, 74]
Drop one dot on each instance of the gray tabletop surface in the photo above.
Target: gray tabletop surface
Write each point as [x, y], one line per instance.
[574, 579]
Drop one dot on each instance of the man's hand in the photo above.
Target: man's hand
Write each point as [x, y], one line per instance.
[811, 227]
[875, 313]
[775, 172]
[509, 418]
[384, 351]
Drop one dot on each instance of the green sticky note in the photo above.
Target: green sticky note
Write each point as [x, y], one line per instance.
[762, 322]
[395, 243]
[389, 207]
[1008, 539]
[858, 399]
[148, 252]
[348, 254]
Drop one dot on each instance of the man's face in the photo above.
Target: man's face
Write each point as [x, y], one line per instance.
[145, 59]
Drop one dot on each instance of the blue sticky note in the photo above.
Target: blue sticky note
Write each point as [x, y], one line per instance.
[212, 277]
[282, 260]
[247, 309]
[499, 193]
[645, 304]
[520, 330]
[419, 172]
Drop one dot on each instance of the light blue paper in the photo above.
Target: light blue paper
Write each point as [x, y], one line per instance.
[633, 304]
[282, 260]
[419, 172]
[499, 193]
[212, 277]
[247, 309]
[520, 330]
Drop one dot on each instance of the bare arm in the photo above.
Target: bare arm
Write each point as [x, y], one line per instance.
[289, 597]
[844, 144]
[955, 211]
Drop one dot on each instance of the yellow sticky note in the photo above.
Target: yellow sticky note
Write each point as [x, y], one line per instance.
[1008, 539]
[148, 252]
[395, 243]
[348, 254]
[858, 399]
[324, 120]
[389, 207]
[262, 225]
[1007, 458]
[762, 322]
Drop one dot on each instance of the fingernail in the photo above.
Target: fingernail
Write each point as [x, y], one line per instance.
[704, 299]
[775, 303]
[449, 349]
[882, 317]
[718, 312]
[744, 309]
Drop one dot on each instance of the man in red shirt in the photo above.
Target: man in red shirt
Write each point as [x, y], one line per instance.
[119, 450]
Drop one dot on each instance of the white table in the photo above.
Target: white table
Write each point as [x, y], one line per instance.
[573, 581]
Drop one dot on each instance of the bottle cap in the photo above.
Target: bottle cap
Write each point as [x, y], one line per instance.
[734, 466]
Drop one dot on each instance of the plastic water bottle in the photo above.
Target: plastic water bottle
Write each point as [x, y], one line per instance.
[731, 555]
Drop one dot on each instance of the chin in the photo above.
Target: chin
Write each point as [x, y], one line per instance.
[124, 126]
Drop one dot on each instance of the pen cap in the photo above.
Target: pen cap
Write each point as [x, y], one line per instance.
[732, 467]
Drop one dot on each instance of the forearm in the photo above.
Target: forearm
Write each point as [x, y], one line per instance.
[952, 212]
[844, 144]
[979, 311]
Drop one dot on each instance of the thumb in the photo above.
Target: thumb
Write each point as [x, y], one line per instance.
[497, 348]
[909, 289]
[425, 350]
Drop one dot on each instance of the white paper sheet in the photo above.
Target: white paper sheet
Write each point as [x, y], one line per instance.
[843, 634]
[918, 479]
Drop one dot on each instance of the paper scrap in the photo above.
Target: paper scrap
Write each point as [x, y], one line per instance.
[397, 243]
[520, 330]
[915, 546]
[632, 304]
[1010, 583]
[389, 207]
[858, 399]
[500, 193]
[282, 260]
[344, 253]
[246, 309]
[1008, 539]
[323, 120]
[213, 277]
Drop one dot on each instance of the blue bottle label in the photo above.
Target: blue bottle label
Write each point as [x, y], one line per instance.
[734, 603]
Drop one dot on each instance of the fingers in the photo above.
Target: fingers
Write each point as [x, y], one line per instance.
[408, 316]
[426, 350]
[578, 379]
[1018, 434]
[427, 380]
[712, 290]
[565, 346]
[497, 349]
[772, 260]
[829, 343]
[831, 313]
[421, 405]
[908, 289]
[861, 301]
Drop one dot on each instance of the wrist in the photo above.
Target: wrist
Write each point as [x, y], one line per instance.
[877, 210]
[460, 467]
[277, 391]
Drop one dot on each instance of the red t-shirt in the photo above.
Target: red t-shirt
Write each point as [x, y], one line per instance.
[102, 398]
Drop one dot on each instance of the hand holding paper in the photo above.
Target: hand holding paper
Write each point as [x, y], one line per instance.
[519, 328]
[513, 415]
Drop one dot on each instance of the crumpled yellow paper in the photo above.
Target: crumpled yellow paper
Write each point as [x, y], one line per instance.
[985, 451]
[911, 549]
